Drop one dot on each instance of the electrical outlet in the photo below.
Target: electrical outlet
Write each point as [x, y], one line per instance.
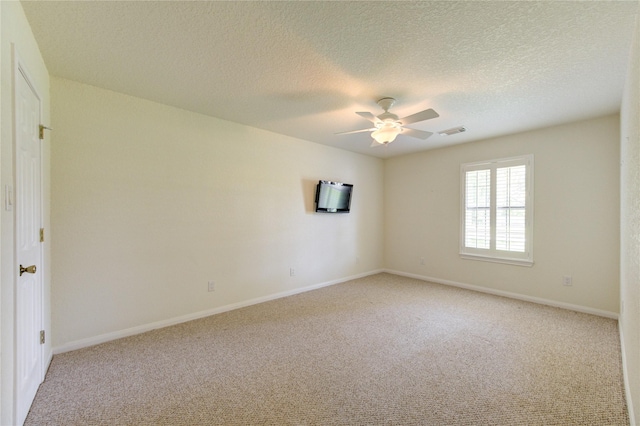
[292, 272]
[357, 259]
[567, 280]
[422, 260]
[212, 286]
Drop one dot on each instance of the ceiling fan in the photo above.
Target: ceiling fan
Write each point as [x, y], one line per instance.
[388, 125]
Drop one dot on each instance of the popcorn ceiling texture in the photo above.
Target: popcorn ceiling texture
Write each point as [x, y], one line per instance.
[304, 68]
[379, 350]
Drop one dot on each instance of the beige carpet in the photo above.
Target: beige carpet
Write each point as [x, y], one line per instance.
[381, 350]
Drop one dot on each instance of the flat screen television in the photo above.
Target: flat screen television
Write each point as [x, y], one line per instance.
[333, 197]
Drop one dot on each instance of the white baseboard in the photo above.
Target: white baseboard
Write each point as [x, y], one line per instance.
[539, 300]
[47, 362]
[625, 376]
[91, 341]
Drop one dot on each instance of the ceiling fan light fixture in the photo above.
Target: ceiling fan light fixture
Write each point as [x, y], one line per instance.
[386, 133]
[387, 126]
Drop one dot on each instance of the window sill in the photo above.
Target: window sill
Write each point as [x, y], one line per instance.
[517, 262]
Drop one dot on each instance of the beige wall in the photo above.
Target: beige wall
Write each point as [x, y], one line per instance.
[576, 224]
[150, 202]
[630, 231]
[16, 32]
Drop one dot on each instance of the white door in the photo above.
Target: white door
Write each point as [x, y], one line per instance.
[29, 294]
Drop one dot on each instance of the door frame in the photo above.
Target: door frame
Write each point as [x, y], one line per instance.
[20, 70]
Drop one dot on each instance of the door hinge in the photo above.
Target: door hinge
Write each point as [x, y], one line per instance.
[42, 339]
[42, 235]
[42, 129]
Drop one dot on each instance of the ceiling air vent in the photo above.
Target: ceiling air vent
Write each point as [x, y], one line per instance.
[453, 131]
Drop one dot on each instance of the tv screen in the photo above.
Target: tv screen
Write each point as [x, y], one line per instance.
[333, 197]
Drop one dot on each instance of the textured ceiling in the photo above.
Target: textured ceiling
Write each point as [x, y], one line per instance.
[304, 68]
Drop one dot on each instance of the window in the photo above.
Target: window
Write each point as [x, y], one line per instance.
[497, 210]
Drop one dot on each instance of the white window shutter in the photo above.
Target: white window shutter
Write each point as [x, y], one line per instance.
[477, 209]
[497, 210]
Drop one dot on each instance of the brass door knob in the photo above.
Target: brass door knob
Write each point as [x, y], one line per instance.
[29, 269]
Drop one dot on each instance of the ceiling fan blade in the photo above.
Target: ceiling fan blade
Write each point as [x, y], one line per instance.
[356, 131]
[427, 114]
[368, 116]
[420, 134]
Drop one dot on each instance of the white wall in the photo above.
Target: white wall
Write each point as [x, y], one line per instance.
[576, 211]
[15, 31]
[630, 230]
[150, 202]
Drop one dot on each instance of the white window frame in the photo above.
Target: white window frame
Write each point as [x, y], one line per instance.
[492, 254]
